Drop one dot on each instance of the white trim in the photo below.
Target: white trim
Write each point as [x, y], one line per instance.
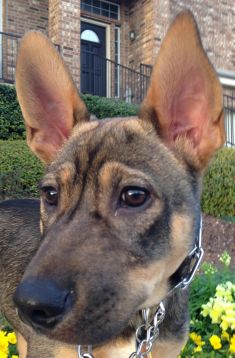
[228, 82]
[227, 78]
[1, 27]
[119, 56]
[107, 45]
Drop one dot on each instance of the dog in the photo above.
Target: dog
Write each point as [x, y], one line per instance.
[120, 202]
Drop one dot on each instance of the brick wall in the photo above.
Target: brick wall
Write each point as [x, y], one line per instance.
[217, 27]
[20, 16]
[151, 18]
[64, 30]
[141, 21]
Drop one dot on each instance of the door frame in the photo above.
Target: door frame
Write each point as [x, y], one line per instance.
[107, 46]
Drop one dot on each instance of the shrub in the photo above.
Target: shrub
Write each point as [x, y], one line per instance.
[212, 310]
[20, 170]
[11, 121]
[218, 185]
[106, 107]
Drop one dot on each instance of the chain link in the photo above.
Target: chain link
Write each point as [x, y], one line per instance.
[83, 354]
[147, 333]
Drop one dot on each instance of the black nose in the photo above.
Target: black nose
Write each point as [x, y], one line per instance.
[41, 302]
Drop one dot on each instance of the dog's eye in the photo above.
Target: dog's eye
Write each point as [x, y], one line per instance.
[50, 195]
[134, 196]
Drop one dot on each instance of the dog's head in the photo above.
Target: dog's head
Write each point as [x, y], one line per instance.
[120, 197]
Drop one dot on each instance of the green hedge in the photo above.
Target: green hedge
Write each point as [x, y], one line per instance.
[11, 121]
[20, 172]
[218, 197]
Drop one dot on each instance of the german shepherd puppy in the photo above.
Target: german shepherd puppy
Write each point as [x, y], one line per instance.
[119, 201]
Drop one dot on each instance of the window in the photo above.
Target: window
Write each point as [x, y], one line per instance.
[101, 7]
[90, 35]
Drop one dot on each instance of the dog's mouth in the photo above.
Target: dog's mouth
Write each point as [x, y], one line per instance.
[88, 330]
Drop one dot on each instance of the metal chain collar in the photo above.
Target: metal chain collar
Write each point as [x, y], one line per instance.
[85, 352]
[147, 333]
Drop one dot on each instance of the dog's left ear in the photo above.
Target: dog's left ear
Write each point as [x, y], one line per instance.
[184, 100]
[47, 95]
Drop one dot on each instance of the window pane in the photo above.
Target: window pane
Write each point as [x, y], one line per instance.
[105, 6]
[113, 15]
[100, 7]
[89, 35]
[105, 13]
[86, 7]
[96, 3]
[96, 10]
[113, 8]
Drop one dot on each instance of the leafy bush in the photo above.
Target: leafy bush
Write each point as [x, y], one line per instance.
[212, 310]
[20, 170]
[106, 107]
[11, 121]
[218, 197]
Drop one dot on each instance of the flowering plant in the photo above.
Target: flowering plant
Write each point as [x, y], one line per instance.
[7, 344]
[212, 308]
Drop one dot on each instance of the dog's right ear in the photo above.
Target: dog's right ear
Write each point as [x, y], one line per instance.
[185, 98]
[47, 95]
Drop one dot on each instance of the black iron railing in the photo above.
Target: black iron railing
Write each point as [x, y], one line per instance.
[103, 77]
[9, 44]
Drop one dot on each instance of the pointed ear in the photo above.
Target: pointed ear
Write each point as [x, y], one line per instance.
[184, 99]
[47, 95]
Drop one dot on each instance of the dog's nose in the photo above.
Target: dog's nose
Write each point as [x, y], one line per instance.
[41, 302]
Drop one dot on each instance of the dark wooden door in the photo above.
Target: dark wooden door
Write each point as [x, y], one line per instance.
[93, 64]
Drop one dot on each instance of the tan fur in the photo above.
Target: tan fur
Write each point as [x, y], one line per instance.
[179, 242]
[21, 345]
[168, 349]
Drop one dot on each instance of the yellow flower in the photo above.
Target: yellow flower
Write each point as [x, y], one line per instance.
[225, 336]
[11, 338]
[3, 354]
[215, 341]
[3, 344]
[225, 258]
[232, 344]
[197, 339]
[197, 349]
[14, 356]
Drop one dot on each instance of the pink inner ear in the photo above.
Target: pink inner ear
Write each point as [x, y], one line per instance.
[189, 110]
[55, 117]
